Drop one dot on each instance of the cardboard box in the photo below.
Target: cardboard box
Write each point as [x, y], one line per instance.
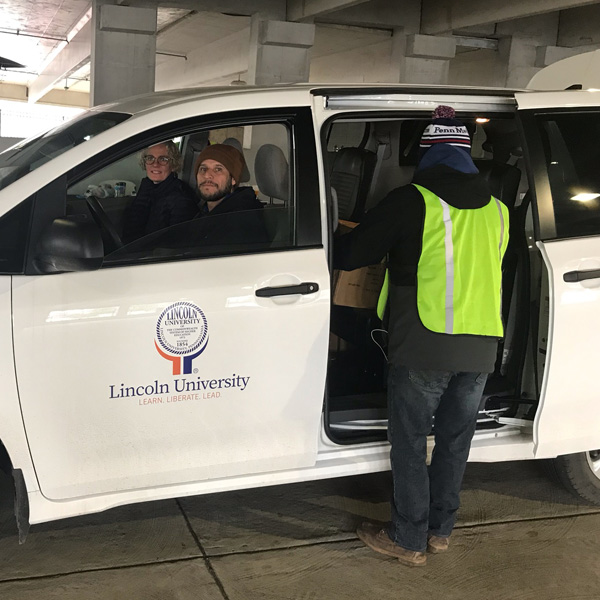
[359, 288]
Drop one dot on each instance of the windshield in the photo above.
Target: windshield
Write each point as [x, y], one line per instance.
[30, 154]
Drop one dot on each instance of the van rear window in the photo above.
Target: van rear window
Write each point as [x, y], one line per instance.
[572, 157]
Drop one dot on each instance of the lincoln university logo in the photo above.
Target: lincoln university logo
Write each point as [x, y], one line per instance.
[181, 335]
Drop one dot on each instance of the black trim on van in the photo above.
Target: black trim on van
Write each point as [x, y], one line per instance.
[408, 89]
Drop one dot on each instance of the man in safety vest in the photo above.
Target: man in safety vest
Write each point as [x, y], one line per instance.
[444, 236]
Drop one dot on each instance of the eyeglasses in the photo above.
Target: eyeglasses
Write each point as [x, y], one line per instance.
[150, 160]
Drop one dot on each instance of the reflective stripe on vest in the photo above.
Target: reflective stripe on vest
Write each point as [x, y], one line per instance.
[459, 275]
[383, 295]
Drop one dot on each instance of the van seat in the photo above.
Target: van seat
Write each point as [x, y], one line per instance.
[351, 175]
[504, 180]
[272, 174]
[195, 143]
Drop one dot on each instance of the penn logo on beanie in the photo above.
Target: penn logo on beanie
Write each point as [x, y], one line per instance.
[445, 129]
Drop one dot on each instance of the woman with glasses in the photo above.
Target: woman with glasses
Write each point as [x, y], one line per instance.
[163, 199]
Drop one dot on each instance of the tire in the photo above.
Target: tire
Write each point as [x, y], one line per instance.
[580, 474]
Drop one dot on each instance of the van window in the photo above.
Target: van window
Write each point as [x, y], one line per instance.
[572, 160]
[28, 155]
[118, 194]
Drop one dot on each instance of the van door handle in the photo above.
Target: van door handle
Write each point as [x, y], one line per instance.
[288, 290]
[575, 276]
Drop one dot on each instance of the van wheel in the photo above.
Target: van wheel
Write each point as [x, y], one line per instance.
[580, 474]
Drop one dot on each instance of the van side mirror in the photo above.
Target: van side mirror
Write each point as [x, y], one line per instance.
[69, 244]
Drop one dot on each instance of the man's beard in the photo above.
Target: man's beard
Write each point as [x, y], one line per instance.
[217, 192]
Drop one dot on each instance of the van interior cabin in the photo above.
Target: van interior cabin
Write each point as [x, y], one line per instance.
[266, 171]
[367, 158]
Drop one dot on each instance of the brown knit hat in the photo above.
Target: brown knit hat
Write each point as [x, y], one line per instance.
[228, 156]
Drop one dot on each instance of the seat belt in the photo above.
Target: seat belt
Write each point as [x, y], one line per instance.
[380, 152]
[383, 294]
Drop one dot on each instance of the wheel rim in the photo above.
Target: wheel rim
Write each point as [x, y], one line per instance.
[593, 458]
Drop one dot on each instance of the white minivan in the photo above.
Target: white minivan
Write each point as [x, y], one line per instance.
[172, 366]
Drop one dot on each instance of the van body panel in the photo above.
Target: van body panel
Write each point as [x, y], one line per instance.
[568, 419]
[88, 372]
[12, 433]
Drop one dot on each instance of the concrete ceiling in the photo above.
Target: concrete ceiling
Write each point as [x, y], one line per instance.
[33, 32]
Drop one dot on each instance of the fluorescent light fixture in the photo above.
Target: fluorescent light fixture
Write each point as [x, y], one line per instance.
[482, 120]
[585, 196]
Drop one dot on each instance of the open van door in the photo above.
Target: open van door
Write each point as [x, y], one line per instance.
[561, 132]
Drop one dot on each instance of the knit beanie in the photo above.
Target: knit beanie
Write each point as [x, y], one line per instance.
[228, 156]
[445, 129]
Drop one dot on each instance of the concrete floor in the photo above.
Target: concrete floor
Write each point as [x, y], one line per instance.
[520, 536]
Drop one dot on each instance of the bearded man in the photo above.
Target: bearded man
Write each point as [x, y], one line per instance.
[218, 169]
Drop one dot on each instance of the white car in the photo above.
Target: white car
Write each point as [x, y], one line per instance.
[170, 366]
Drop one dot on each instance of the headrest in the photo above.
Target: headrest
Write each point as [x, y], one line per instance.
[502, 140]
[503, 180]
[272, 172]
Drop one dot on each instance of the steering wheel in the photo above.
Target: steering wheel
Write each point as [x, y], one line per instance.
[110, 237]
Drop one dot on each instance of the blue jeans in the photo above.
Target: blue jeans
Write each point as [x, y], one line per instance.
[425, 501]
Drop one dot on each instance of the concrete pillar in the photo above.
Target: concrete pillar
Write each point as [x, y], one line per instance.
[519, 56]
[579, 27]
[548, 55]
[420, 58]
[519, 51]
[279, 51]
[123, 56]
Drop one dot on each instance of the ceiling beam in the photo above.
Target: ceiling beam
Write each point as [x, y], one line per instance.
[68, 59]
[442, 16]
[302, 10]
[13, 91]
[229, 58]
[384, 14]
[66, 98]
[476, 43]
[270, 9]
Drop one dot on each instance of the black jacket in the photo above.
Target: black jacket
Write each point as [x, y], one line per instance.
[158, 205]
[237, 220]
[395, 228]
[236, 224]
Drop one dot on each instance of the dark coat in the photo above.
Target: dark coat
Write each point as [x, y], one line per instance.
[395, 228]
[158, 205]
[235, 225]
[238, 219]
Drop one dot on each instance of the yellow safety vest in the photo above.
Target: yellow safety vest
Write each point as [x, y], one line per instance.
[459, 274]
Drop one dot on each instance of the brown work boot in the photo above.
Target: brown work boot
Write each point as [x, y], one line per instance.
[437, 544]
[377, 539]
